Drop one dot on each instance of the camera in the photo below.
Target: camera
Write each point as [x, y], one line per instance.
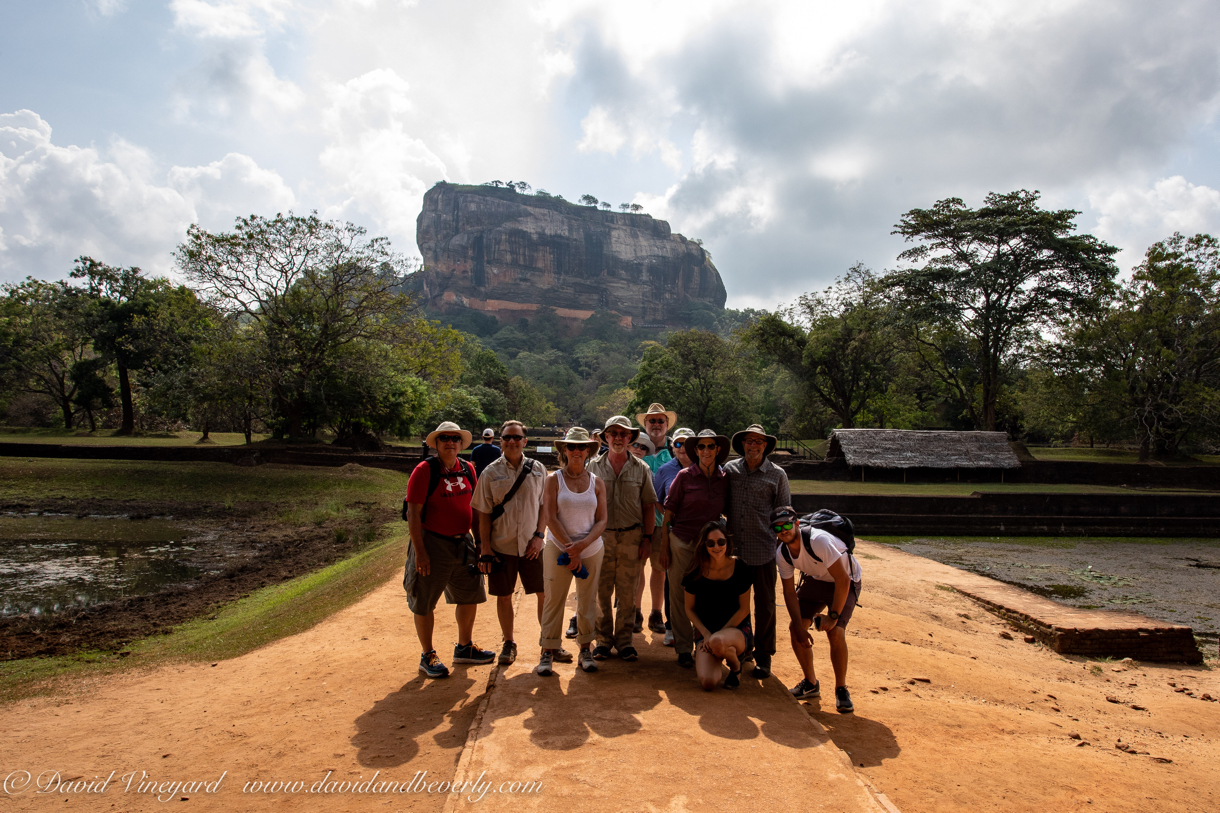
[494, 561]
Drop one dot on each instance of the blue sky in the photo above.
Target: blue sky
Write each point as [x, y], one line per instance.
[790, 137]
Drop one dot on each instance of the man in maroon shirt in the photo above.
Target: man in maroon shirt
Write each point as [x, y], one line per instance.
[438, 514]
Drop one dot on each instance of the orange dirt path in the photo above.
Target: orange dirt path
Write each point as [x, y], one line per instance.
[989, 730]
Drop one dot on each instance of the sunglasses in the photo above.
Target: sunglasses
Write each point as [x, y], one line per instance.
[658, 420]
[619, 434]
[716, 543]
[448, 438]
[512, 437]
[639, 446]
[703, 447]
[787, 526]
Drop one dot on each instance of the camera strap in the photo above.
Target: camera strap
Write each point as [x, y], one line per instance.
[527, 467]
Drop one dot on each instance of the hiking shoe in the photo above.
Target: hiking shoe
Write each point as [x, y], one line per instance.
[669, 638]
[600, 653]
[733, 680]
[430, 665]
[586, 661]
[508, 653]
[762, 671]
[656, 622]
[472, 654]
[639, 622]
[561, 655]
[843, 700]
[572, 631]
[544, 666]
[628, 653]
[686, 660]
[805, 689]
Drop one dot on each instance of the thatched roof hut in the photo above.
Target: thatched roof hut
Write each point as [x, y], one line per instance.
[909, 449]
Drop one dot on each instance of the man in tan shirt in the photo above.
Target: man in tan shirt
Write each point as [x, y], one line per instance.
[630, 501]
[511, 545]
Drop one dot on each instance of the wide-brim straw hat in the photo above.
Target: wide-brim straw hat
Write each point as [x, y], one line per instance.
[658, 409]
[753, 429]
[622, 422]
[577, 436]
[447, 428]
[721, 455]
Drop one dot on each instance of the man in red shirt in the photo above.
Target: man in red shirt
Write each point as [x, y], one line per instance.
[439, 516]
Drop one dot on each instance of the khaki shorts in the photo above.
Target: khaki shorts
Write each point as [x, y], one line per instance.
[448, 558]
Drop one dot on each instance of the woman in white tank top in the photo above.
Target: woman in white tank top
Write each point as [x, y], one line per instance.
[574, 504]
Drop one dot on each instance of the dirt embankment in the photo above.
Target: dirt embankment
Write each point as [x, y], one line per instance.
[281, 551]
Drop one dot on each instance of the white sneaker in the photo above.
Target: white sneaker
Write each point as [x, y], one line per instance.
[669, 638]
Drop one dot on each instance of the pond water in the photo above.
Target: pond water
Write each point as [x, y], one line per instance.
[1175, 580]
[53, 564]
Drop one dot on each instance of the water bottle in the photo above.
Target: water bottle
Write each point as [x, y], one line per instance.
[564, 560]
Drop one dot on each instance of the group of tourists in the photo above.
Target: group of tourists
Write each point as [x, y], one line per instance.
[714, 532]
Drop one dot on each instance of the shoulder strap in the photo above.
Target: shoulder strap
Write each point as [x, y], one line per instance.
[527, 468]
[434, 480]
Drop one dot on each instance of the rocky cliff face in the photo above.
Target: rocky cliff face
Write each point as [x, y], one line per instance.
[507, 253]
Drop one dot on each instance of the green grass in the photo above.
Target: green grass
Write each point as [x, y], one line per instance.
[1098, 455]
[106, 437]
[1037, 541]
[320, 487]
[966, 489]
[262, 617]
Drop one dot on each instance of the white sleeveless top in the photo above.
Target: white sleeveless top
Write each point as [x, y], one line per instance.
[577, 513]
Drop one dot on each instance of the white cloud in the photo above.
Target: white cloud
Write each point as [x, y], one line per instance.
[602, 132]
[375, 164]
[59, 202]
[1134, 217]
[229, 19]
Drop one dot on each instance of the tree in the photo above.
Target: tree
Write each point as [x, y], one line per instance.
[836, 345]
[118, 306]
[635, 207]
[314, 288]
[43, 342]
[988, 279]
[698, 375]
[588, 200]
[1154, 358]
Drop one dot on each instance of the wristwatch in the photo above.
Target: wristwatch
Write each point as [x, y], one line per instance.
[538, 534]
[832, 615]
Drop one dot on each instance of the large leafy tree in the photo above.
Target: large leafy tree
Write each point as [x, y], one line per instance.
[45, 347]
[317, 290]
[120, 307]
[697, 374]
[982, 283]
[836, 345]
[1154, 358]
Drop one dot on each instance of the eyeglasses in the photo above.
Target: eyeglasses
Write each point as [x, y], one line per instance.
[658, 420]
[716, 542]
[703, 447]
[448, 438]
[787, 526]
[513, 438]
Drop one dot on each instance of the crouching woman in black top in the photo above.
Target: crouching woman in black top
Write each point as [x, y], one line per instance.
[718, 604]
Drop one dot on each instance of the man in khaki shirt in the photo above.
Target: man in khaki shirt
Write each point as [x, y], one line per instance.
[515, 538]
[630, 516]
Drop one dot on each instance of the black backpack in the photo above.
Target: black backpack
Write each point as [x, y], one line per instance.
[824, 520]
[434, 479]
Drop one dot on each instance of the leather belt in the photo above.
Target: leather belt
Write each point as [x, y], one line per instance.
[624, 530]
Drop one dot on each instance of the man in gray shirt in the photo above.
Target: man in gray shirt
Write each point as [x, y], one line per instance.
[756, 488]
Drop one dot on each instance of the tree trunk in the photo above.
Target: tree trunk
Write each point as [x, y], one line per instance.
[92, 422]
[128, 426]
[1145, 445]
[65, 404]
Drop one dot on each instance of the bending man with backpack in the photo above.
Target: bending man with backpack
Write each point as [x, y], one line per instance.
[437, 510]
[820, 546]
